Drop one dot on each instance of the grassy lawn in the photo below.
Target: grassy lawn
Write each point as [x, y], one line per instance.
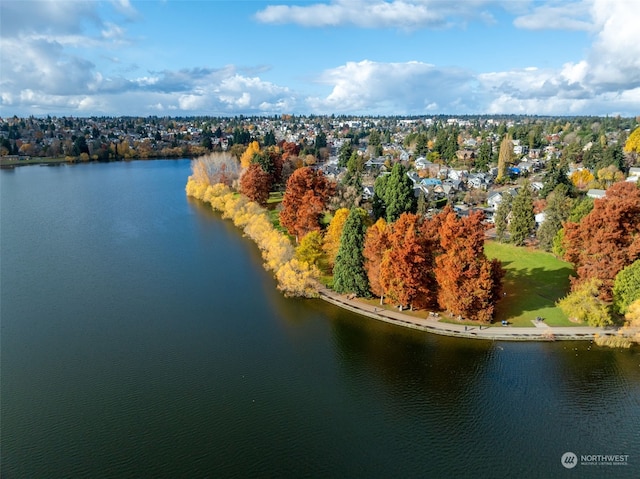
[534, 281]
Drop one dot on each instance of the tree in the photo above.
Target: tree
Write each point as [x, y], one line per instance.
[632, 145]
[255, 184]
[310, 250]
[344, 154]
[406, 270]
[556, 213]
[304, 200]
[626, 287]
[349, 275]
[376, 243]
[584, 304]
[556, 174]
[582, 178]
[215, 168]
[607, 239]
[334, 233]
[468, 283]
[501, 218]
[393, 194]
[247, 157]
[523, 221]
[504, 157]
[484, 156]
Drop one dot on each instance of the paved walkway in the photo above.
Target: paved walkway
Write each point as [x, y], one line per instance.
[431, 324]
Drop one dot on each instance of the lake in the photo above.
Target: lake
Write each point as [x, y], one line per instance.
[141, 337]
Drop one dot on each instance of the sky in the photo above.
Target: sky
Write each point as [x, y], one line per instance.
[343, 57]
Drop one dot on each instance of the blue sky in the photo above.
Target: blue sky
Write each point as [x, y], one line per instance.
[364, 57]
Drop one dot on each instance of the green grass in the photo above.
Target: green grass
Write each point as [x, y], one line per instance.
[534, 281]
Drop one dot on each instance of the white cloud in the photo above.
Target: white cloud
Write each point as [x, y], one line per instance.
[405, 15]
[410, 87]
[561, 16]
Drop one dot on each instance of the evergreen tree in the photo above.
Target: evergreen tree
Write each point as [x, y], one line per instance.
[344, 154]
[484, 156]
[394, 194]
[523, 220]
[501, 217]
[626, 287]
[556, 175]
[556, 213]
[349, 275]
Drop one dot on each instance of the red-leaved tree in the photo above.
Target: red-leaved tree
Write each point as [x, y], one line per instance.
[607, 239]
[255, 184]
[406, 271]
[469, 284]
[304, 201]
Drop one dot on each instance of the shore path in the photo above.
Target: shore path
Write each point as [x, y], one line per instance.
[542, 332]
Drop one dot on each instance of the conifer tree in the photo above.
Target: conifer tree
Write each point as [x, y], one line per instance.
[523, 221]
[349, 275]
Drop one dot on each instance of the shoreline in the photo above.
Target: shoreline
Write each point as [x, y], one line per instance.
[488, 333]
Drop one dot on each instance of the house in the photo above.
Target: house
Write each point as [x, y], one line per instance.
[479, 181]
[367, 192]
[458, 175]
[421, 163]
[413, 176]
[596, 194]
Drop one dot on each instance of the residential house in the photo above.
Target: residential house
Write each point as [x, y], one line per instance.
[596, 194]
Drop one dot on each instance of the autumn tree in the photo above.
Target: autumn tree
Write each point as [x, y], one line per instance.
[304, 200]
[255, 184]
[349, 275]
[393, 194]
[333, 234]
[626, 287]
[607, 239]
[632, 145]
[247, 157]
[376, 243]
[215, 168]
[406, 270]
[468, 283]
[504, 157]
[310, 250]
[584, 304]
[523, 221]
[581, 179]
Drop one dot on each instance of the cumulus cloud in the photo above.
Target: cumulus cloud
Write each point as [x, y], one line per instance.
[410, 87]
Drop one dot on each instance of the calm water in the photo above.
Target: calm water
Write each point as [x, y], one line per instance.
[141, 338]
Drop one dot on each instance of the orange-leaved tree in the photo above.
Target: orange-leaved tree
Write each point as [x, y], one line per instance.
[255, 184]
[376, 243]
[607, 239]
[469, 284]
[304, 200]
[406, 271]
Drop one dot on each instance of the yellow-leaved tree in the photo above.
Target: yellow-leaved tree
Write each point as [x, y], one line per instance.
[333, 234]
[249, 153]
[295, 277]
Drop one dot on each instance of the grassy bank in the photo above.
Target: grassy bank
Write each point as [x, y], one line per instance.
[534, 281]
